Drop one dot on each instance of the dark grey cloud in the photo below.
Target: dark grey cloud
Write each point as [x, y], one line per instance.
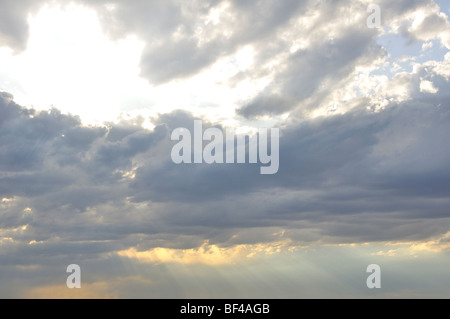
[389, 165]
[13, 22]
[333, 172]
[51, 153]
[355, 177]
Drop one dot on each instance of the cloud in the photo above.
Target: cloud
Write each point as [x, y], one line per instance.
[13, 23]
[429, 24]
[184, 39]
[336, 173]
[373, 168]
[205, 254]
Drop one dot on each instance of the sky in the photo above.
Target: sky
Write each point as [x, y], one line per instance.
[90, 92]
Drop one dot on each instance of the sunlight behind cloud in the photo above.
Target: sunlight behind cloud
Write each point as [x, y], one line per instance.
[206, 254]
[70, 64]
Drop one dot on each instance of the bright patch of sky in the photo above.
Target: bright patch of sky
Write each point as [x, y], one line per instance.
[404, 53]
[76, 68]
[444, 5]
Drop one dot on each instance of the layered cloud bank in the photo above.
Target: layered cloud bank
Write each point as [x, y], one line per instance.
[363, 156]
[73, 190]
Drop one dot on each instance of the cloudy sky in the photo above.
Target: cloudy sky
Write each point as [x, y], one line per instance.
[92, 89]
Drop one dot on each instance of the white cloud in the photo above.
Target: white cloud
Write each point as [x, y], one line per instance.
[427, 86]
